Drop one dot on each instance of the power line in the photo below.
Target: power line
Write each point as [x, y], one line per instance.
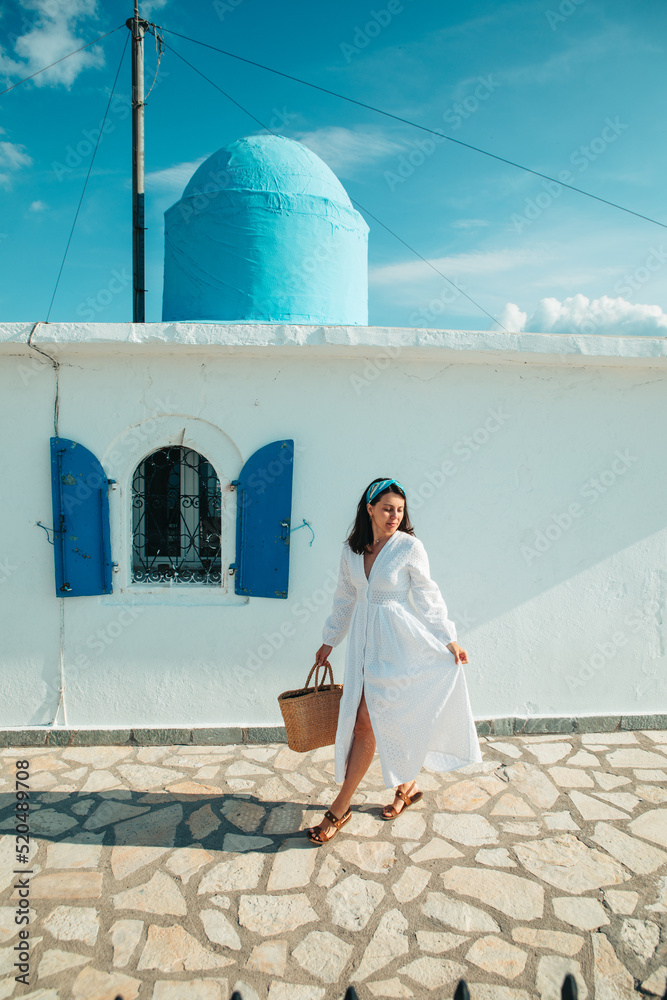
[43, 70]
[370, 214]
[423, 128]
[92, 160]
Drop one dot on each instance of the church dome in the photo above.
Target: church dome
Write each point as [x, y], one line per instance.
[265, 232]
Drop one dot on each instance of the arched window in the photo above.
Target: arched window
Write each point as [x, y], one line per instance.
[176, 523]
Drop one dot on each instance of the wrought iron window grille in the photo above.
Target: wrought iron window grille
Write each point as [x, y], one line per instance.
[176, 520]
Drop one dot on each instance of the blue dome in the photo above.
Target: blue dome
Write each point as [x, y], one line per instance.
[265, 232]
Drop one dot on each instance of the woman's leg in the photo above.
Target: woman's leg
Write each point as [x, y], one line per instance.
[358, 762]
[410, 788]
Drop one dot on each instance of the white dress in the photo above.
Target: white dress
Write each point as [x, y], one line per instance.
[417, 697]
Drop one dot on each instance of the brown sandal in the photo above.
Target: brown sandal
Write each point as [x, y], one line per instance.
[313, 837]
[408, 799]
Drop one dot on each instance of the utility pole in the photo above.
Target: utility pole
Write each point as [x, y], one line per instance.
[138, 27]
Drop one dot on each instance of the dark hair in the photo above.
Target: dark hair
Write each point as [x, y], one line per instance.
[361, 535]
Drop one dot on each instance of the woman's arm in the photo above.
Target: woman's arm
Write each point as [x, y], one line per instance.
[429, 601]
[338, 622]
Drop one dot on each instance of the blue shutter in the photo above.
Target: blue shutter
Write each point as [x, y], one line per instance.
[264, 510]
[82, 547]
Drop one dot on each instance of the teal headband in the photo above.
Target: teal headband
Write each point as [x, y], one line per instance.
[376, 488]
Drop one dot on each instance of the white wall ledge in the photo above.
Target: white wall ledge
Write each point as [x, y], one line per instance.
[251, 338]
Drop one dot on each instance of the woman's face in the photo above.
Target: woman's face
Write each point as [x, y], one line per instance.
[387, 513]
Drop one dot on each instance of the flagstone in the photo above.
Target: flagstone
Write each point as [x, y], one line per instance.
[591, 808]
[288, 760]
[510, 749]
[48, 822]
[97, 757]
[329, 871]
[125, 936]
[621, 900]
[522, 829]
[621, 737]
[157, 829]
[411, 826]
[390, 988]
[208, 772]
[641, 936]
[292, 866]
[635, 758]
[624, 800]
[367, 824]
[652, 793]
[488, 991]
[269, 957]
[159, 895]
[439, 941]
[463, 796]
[83, 807]
[652, 826]
[434, 972]
[372, 856]
[191, 791]
[608, 781]
[73, 923]
[236, 843]
[239, 784]
[560, 941]
[299, 781]
[91, 984]
[42, 782]
[656, 984]
[144, 776]
[388, 942]
[566, 863]
[353, 901]
[224, 902]
[660, 905]
[530, 781]
[585, 913]
[245, 815]
[413, 881]
[101, 781]
[244, 769]
[185, 861]
[243, 872]
[270, 915]
[496, 857]
[291, 991]
[511, 805]
[285, 818]
[54, 961]
[497, 957]
[202, 822]
[570, 777]
[112, 812]
[455, 913]
[650, 774]
[200, 989]
[612, 979]
[273, 790]
[323, 954]
[148, 755]
[559, 820]
[65, 855]
[65, 885]
[549, 753]
[126, 860]
[246, 991]
[219, 930]
[635, 854]
[8, 857]
[8, 928]
[470, 829]
[172, 949]
[436, 848]
[516, 897]
[551, 971]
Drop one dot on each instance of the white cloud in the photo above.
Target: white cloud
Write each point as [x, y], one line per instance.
[149, 7]
[54, 33]
[579, 314]
[469, 223]
[415, 272]
[12, 158]
[345, 149]
[38, 206]
[174, 179]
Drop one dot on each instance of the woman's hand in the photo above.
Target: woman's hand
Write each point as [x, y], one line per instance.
[460, 655]
[322, 655]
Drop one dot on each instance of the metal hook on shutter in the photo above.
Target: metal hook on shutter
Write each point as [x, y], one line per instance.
[304, 524]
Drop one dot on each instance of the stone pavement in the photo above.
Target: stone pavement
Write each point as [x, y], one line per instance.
[180, 873]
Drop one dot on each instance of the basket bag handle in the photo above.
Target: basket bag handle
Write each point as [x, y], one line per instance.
[316, 668]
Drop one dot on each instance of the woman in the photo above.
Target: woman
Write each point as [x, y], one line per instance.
[404, 685]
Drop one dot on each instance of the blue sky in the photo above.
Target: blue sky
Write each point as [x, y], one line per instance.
[558, 85]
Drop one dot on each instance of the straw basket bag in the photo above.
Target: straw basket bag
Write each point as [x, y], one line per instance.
[311, 713]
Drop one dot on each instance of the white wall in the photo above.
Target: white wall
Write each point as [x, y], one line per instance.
[561, 607]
